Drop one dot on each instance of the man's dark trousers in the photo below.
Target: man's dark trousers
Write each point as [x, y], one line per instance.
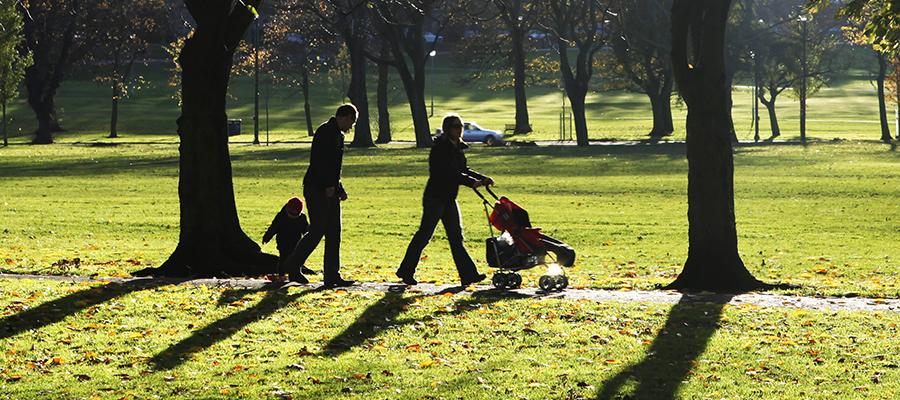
[446, 211]
[324, 220]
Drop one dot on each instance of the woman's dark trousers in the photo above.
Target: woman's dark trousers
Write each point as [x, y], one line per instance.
[447, 211]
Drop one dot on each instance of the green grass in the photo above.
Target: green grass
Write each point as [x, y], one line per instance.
[848, 110]
[113, 341]
[822, 216]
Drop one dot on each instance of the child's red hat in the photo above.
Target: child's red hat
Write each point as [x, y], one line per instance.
[294, 205]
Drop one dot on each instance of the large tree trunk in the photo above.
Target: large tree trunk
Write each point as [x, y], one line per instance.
[518, 60]
[359, 96]
[882, 106]
[713, 262]
[577, 101]
[211, 241]
[773, 117]
[576, 85]
[661, 104]
[43, 77]
[42, 105]
[306, 106]
[414, 86]
[384, 117]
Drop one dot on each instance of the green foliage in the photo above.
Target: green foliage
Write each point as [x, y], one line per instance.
[12, 61]
[882, 23]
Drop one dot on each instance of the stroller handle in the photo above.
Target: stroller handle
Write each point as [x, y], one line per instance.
[488, 188]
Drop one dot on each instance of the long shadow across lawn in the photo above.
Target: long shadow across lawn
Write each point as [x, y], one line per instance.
[56, 310]
[383, 314]
[275, 299]
[672, 355]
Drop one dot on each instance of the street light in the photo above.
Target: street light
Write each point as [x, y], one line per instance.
[431, 55]
[803, 61]
[755, 97]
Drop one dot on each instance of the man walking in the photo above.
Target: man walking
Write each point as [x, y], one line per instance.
[324, 192]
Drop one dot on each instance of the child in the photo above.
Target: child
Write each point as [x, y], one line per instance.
[288, 227]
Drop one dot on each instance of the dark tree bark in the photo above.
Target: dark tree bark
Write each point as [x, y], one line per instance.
[578, 24]
[644, 56]
[576, 90]
[384, 117]
[355, 37]
[518, 20]
[211, 241]
[773, 117]
[882, 106]
[403, 28]
[304, 85]
[661, 104]
[43, 78]
[5, 133]
[114, 113]
[359, 96]
[50, 35]
[518, 58]
[713, 261]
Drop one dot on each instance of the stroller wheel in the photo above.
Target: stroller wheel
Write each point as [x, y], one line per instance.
[514, 281]
[499, 280]
[561, 282]
[546, 283]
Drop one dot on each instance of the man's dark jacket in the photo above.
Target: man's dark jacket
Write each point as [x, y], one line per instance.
[325, 157]
[447, 169]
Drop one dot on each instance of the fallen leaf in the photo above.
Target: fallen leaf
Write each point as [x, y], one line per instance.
[414, 347]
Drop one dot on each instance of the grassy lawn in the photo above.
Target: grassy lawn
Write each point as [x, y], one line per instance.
[822, 216]
[113, 341]
[848, 109]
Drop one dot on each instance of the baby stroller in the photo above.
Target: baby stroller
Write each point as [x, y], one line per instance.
[521, 246]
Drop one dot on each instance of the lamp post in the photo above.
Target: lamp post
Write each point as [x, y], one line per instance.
[803, 62]
[755, 97]
[433, 59]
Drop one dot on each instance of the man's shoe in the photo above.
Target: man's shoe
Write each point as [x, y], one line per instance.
[339, 283]
[407, 279]
[308, 271]
[475, 279]
[298, 278]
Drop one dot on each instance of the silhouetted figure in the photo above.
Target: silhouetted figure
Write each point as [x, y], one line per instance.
[447, 170]
[324, 193]
[288, 226]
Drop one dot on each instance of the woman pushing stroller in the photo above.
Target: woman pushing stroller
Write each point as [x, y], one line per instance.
[447, 170]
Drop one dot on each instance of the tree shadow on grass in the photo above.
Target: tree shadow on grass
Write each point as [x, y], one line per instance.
[669, 360]
[276, 298]
[56, 310]
[383, 314]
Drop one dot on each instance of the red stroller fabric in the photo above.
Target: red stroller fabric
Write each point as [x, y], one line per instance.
[510, 217]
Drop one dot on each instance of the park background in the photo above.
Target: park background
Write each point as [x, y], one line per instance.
[820, 215]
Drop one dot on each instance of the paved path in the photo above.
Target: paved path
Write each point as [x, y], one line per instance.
[639, 296]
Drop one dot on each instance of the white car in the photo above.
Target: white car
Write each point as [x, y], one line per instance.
[474, 133]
